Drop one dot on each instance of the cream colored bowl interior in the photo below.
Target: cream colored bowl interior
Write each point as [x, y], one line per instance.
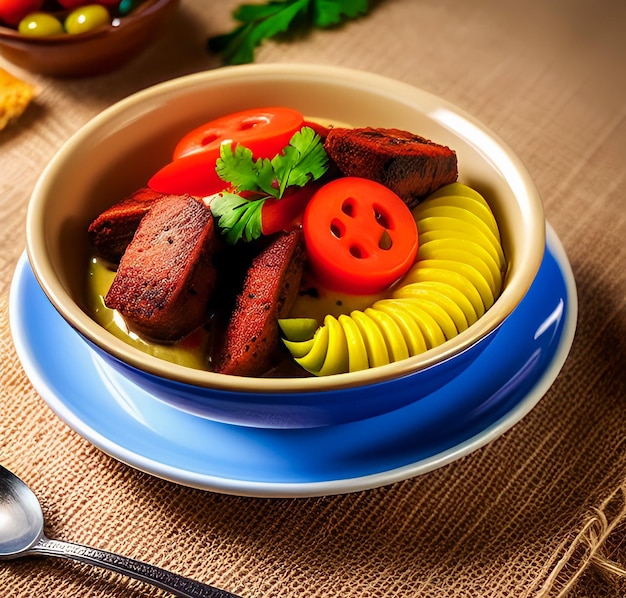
[122, 147]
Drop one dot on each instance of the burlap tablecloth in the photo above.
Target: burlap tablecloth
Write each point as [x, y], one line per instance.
[538, 512]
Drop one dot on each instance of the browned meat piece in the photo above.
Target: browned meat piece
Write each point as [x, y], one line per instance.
[112, 231]
[410, 165]
[166, 276]
[252, 340]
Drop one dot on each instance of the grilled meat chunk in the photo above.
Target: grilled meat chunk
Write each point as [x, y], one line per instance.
[251, 343]
[112, 231]
[410, 165]
[166, 276]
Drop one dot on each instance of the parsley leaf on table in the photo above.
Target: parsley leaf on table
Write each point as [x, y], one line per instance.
[331, 12]
[265, 21]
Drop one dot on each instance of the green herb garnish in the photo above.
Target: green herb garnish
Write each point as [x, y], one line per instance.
[265, 21]
[239, 216]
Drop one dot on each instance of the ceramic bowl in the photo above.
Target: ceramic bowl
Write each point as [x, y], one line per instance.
[93, 52]
[118, 151]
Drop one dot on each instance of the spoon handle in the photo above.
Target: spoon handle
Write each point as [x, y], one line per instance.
[166, 580]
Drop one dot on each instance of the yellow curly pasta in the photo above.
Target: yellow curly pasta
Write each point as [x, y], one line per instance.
[457, 276]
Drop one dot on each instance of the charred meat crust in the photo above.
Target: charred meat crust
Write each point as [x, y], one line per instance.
[410, 165]
[166, 276]
[112, 231]
[251, 344]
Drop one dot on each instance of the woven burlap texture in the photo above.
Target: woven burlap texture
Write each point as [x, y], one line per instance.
[539, 512]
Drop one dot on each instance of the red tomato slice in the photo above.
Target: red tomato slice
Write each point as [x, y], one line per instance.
[321, 130]
[360, 236]
[266, 131]
[286, 213]
[193, 174]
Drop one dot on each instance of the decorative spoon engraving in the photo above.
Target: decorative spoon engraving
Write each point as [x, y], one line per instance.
[21, 534]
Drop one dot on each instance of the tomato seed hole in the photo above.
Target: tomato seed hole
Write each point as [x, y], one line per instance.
[337, 228]
[347, 207]
[357, 252]
[209, 139]
[381, 217]
[250, 123]
[385, 242]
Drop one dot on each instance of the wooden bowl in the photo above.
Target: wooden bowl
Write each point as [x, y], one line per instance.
[94, 52]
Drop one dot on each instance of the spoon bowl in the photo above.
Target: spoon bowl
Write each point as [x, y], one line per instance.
[22, 534]
[21, 517]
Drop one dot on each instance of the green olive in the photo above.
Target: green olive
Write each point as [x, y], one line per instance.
[86, 18]
[40, 24]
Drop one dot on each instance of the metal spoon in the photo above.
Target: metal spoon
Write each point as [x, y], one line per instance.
[21, 534]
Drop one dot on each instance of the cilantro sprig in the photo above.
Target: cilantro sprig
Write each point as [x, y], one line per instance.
[258, 22]
[253, 181]
[237, 217]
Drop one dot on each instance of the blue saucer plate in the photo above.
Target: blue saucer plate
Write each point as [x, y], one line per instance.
[495, 392]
